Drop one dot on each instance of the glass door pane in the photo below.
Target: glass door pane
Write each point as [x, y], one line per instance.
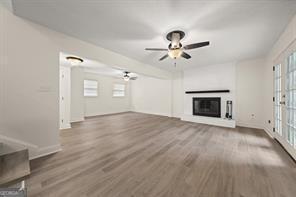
[291, 100]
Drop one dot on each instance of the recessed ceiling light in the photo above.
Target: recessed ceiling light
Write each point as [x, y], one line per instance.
[74, 61]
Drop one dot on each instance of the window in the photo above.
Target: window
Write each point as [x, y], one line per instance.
[90, 88]
[118, 90]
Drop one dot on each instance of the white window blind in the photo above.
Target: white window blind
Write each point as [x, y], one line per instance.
[118, 90]
[90, 88]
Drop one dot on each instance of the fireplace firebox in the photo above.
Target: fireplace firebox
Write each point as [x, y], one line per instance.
[207, 106]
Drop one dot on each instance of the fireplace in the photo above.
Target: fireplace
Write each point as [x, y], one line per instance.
[207, 106]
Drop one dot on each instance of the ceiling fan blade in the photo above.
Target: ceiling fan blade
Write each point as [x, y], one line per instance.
[133, 78]
[155, 49]
[163, 57]
[196, 45]
[185, 55]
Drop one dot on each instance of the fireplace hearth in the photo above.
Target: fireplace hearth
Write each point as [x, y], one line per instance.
[207, 106]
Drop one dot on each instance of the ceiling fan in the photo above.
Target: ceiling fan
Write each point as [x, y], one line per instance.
[127, 77]
[175, 48]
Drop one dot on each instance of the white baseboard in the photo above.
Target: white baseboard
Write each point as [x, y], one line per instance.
[269, 133]
[106, 114]
[153, 113]
[255, 126]
[176, 116]
[46, 151]
[66, 126]
[249, 125]
[77, 120]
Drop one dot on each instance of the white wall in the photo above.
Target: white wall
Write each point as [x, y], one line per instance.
[177, 95]
[249, 93]
[29, 84]
[77, 99]
[287, 38]
[105, 103]
[245, 77]
[214, 77]
[152, 95]
[29, 55]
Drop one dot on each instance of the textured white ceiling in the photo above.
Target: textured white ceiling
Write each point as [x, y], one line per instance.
[237, 30]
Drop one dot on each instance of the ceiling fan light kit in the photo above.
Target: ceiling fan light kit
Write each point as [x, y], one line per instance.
[126, 78]
[175, 49]
[175, 53]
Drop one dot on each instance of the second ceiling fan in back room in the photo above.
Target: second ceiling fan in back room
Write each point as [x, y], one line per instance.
[175, 48]
[127, 76]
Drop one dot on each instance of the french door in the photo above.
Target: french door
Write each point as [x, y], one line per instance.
[285, 101]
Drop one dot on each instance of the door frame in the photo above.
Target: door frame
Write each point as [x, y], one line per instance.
[64, 97]
[282, 59]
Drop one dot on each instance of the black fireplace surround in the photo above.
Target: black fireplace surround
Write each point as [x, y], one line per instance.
[207, 106]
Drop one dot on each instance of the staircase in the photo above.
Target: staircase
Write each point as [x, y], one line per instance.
[14, 163]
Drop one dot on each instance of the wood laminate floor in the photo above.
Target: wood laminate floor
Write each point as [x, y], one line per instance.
[140, 155]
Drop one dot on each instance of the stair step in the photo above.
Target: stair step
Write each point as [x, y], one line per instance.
[14, 162]
[8, 149]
